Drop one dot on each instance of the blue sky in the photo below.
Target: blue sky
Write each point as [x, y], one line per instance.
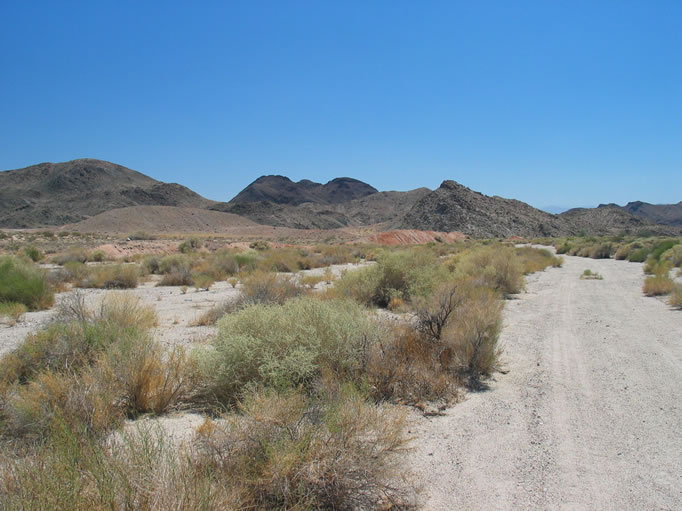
[550, 102]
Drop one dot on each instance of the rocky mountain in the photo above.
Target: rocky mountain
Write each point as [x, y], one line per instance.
[664, 214]
[51, 194]
[282, 190]
[453, 207]
[379, 207]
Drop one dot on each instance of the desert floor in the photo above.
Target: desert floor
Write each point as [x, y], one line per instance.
[589, 415]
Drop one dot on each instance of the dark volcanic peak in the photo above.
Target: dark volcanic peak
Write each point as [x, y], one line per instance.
[282, 190]
[59, 193]
[454, 207]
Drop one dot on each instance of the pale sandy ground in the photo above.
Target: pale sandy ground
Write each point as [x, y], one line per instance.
[176, 310]
[589, 415]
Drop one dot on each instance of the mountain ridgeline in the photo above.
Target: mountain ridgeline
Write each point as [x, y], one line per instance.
[88, 191]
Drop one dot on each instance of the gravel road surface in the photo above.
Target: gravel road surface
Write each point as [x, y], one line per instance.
[589, 415]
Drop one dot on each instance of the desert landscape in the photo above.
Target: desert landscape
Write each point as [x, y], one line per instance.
[340, 256]
[508, 358]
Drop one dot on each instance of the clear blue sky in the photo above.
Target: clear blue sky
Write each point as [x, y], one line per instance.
[554, 103]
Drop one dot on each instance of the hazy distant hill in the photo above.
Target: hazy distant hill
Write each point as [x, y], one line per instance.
[607, 219]
[282, 190]
[665, 214]
[59, 193]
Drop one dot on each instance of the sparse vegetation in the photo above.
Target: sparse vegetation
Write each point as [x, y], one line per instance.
[675, 299]
[25, 283]
[657, 285]
[590, 275]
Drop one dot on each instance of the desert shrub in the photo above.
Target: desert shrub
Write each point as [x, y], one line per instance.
[177, 277]
[273, 455]
[97, 256]
[537, 259]
[78, 335]
[78, 255]
[287, 345]
[148, 378]
[638, 255]
[285, 452]
[310, 281]
[599, 251]
[12, 310]
[590, 275]
[82, 401]
[673, 256]
[661, 247]
[406, 366]
[33, 254]
[190, 245]
[471, 338]
[675, 299]
[173, 263]
[563, 248]
[24, 282]
[360, 285]
[203, 280]
[119, 276]
[623, 252]
[434, 312]
[493, 266]
[267, 288]
[259, 245]
[657, 285]
[400, 274]
[212, 315]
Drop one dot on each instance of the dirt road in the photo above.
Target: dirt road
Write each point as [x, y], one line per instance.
[589, 415]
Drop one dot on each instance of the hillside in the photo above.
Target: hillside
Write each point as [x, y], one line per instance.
[282, 190]
[51, 194]
[665, 214]
[453, 207]
[160, 219]
[380, 207]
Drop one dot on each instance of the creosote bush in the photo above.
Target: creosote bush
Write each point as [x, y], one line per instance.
[493, 266]
[24, 282]
[283, 346]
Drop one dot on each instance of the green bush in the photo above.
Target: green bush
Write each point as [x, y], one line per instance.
[33, 254]
[190, 245]
[287, 345]
[401, 274]
[25, 283]
[495, 266]
[638, 255]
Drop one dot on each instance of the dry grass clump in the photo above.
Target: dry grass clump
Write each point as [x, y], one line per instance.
[89, 370]
[590, 275]
[13, 311]
[471, 340]
[118, 276]
[267, 288]
[657, 285]
[494, 266]
[77, 255]
[286, 451]
[537, 259]
[23, 282]
[406, 366]
[675, 299]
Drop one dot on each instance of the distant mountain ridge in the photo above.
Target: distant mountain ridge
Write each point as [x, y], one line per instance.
[665, 214]
[59, 193]
[282, 190]
[56, 194]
